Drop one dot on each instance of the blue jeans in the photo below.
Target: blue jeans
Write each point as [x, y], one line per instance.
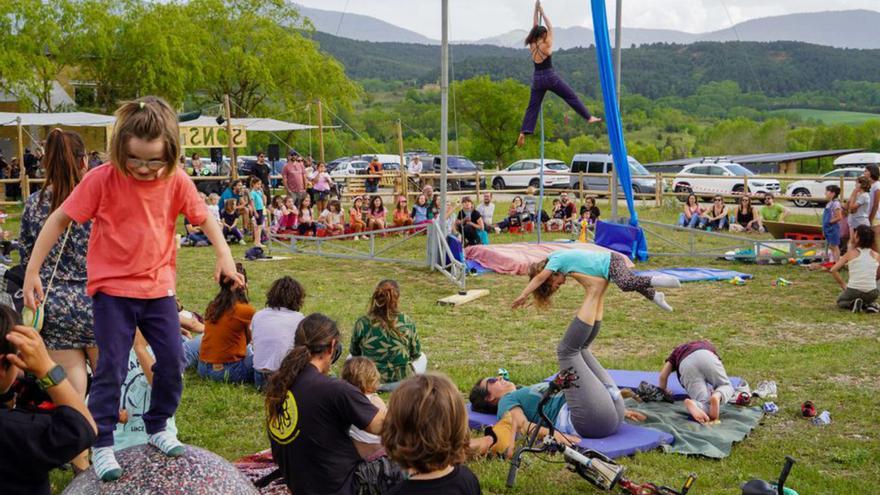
[692, 223]
[261, 379]
[720, 224]
[235, 372]
[191, 350]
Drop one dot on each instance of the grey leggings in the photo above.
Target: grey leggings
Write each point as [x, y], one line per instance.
[595, 403]
[623, 277]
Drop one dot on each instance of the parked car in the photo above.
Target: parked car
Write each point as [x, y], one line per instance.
[526, 173]
[816, 187]
[389, 162]
[331, 165]
[602, 163]
[457, 164]
[725, 178]
[348, 168]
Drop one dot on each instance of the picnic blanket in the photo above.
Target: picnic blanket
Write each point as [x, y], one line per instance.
[515, 258]
[695, 274]
[256, 466]
[691, 438]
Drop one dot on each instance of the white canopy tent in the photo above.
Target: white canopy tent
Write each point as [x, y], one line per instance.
[252, 124]
[70, 119]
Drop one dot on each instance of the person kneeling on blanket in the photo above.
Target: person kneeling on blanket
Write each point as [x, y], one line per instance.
[697, 364]
[519, 406]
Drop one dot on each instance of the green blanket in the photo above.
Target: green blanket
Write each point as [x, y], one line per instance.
[691, 438]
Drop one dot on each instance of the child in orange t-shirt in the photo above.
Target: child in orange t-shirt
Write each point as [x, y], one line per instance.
[133, 202]
[223, 354]
[401, 214]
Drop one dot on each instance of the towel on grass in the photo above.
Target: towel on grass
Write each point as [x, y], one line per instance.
[256, 466]
[691, 438]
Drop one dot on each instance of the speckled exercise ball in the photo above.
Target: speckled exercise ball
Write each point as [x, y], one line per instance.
[148, 471]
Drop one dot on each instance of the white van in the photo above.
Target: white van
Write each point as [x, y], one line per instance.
[596, 163]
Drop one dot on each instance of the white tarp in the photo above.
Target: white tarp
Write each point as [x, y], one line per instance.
[69, 119]
[257, 125]
[857, 159]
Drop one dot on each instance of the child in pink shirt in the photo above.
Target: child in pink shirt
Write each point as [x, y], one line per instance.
[134, 202]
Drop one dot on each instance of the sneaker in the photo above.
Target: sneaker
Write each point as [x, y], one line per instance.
[202, 243]
[857, 306]
[873, 308]
[743, 387]
[766, 390]
[241, 242]
[104, 462]
[6, 259]
[167, 442]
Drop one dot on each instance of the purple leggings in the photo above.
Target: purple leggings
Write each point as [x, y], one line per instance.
[548, 80]
[115, 321]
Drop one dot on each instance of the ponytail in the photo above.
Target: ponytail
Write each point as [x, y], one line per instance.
[227, 297]
[384, 306]
[65, 151]
[314, 335]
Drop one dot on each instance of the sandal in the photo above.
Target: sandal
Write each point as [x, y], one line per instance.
[808, 410]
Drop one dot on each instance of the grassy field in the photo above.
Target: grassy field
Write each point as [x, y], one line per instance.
[793, 335]
[830, 117]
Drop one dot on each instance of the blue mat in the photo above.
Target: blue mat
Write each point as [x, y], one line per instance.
[632, 378]
[628, 440]
[474, 267]
[695, 274]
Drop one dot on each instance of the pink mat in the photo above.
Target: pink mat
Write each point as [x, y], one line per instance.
[514, 259]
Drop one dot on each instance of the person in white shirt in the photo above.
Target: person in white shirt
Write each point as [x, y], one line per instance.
[415, 166]
[274, 327]
[487, 210]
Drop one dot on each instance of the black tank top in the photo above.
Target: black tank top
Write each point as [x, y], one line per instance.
[744, 218]
[547, 63]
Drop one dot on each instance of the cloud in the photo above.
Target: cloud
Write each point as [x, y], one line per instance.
[475, 19]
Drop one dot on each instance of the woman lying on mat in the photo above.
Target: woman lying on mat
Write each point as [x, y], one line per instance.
[590, 268]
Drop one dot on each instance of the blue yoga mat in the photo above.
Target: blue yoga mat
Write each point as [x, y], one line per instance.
[628, 440]
[695, 274]
[632, 378]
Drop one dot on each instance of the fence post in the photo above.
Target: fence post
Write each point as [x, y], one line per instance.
[841, 185]
[658, 190]
[746, 185]
[477, 174]
[581, 185]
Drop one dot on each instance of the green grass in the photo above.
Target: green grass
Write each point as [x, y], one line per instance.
[830, 117]
[793, 335]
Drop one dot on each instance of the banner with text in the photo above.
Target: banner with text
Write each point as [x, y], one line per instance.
[212, 137]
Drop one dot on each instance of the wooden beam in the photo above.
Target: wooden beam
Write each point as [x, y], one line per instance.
[459, 299]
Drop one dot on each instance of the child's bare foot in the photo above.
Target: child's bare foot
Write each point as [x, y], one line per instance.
[696, 411]
[521, 140]
[593, 120]
[715, 407]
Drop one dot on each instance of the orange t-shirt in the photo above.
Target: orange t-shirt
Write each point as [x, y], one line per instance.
[226, 340]
[131, 248]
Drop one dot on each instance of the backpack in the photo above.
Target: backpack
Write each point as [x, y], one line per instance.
[254, 253]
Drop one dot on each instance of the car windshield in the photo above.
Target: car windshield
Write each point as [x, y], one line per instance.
[460, 163]
[737, 169]
[556, 166]
[359, 164]
[636, 168]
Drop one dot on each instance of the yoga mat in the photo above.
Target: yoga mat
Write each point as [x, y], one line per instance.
[691, 438]
[632, 378]
[628, 440]
[695, 274]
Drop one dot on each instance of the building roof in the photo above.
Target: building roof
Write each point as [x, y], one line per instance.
[758, 158]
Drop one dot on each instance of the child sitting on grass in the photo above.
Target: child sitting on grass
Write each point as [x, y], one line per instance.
[697, 364]
[558, 217]
[401, 217]
[289, 220]
[860, 293]
[229, 220]
[331, 218]
[307, 222]
[426, 433]
[356, 217]
[363, 374]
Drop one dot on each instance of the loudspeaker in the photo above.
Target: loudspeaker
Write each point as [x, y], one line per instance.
[217, 155]
[274, 152]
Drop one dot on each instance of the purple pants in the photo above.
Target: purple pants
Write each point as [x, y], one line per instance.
[548, 80]
[115, 321]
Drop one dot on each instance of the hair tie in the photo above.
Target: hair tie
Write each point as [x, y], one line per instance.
[141, 104]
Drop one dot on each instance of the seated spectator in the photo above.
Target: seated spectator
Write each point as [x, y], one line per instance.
[421, 211]
[746, 217]
[194, 235]
[469, 223]
[426, 433]
[388, 337]
[772, 211]
[715, 217]
[274, 327]
[377, 213]
[363, 374]
[135, 397]
[331, 218]
[690, 217]
[34, 442]
[289, 220]
[355, 217]
[307, 224]
[569, 211]
[557, 217]
[233, 191]
[516, 214]
[276, 212]
[309, 415]
[487, 210]
[860, 293]
[590, 212]
[229, 220]
[697, 364]
[401, 217]
[224, 355]
[213, 202]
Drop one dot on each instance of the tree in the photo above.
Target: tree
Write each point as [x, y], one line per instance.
[493, 113]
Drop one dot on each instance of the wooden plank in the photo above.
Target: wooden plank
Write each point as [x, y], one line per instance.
[459, 299]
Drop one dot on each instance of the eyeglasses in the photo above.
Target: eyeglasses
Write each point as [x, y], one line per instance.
[153, 165]
[491, 381]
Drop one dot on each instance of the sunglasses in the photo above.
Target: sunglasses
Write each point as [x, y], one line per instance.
[491, 381]
[153, 165]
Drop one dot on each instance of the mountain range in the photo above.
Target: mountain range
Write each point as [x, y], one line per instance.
[842, 29]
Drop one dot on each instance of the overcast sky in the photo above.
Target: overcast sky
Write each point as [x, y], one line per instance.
[475, 19]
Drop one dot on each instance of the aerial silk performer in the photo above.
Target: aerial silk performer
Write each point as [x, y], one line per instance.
[540, 43]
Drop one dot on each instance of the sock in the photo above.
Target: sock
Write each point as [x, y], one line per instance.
[104, 462]
[167, 442]
[660, 300]
[665, 281]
